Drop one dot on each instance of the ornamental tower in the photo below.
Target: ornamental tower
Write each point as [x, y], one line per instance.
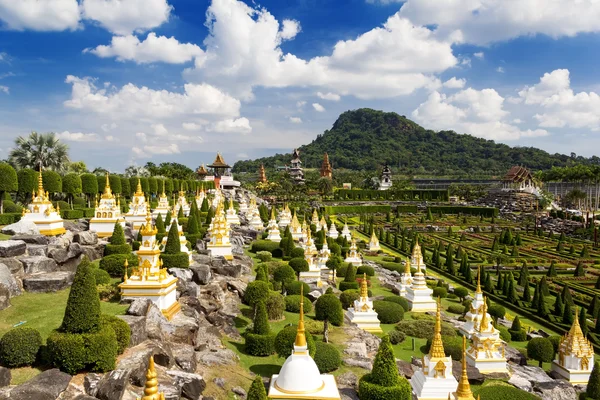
[262, 176]
[363, 314]
[42, 213]
[326, 169]
[107, 213]
[296, 168]
[473, 316]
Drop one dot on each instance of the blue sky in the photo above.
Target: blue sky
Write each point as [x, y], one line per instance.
[129, 81]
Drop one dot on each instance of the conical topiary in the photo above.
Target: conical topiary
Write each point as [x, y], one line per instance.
[558, 307]
[567, 315]
[543, 307]
[168, 219]
[579, 270]
[385, 371]
[593, 387]
[566, 295]
[118, 236]
[594, 306]
[583, 321]
[180, 213]
[552, 270]
[160, 225]
[257, 390]
[192, 225]
[516, 325]
[526, 292]
[261, 274]
[82, 313]
[204, 206]
[544, 289]
[261, 320]
[173, 245]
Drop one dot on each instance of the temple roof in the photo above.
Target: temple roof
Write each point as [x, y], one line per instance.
[296, 155]
[219, 162]
[437, 347]
[202, 170]
[517, 174]
[574, 343]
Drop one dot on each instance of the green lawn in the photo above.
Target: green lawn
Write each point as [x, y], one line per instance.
[4, 237]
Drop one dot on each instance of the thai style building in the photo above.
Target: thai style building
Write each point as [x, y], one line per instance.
[463, 391]
[418, 295]
[222, 174]
[374, 243]
[386, 178]
[406, 279]
[273, 229]
[163, 204]
[518, 178]
[487, 352]
[326, 170]
[473, 316]
[296, 171]
[137, 208]
[107, 213]
[353, 257]
[363, 314]
[416, 259]
[42, 213]
[219, 244]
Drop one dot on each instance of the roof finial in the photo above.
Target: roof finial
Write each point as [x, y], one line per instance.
[407, 267]
[478, 280]
[463, 391]
[41, 191]
[151, 385]
[138, 190]
[364, 288]
[300, 336]
[437, 347]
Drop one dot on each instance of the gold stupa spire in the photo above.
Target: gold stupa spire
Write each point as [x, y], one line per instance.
[148, 229]
[163, 194]
[107, 192]
[231, 203]
[41, 192]
[484, 322]
[138, 190]
[364, 288]
[151, 385]
[273, 213]
[463, 391]
[407, 267]
[478, 280]
[574, 341]
[437, 347]
[300, 335]
[417, 248]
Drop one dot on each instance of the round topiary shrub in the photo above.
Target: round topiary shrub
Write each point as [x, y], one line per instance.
[264, 245]
[348, 286]
[299, 264]
[456, 309]
[365, 269]
[115, 264]
[440, 292]
[259, 345]
[398, 300]
[19, 347]
[292, 304]
[396, 337]
[518, 336]
[327, 357]
[101, 349]
[264, 256]
[121, 329]
[297, 252]
[275, 306]
[388, 312]
[504, 333]
[348, 297]
[284, 341]
[102, 277]
[503, 392]
[295, 287]
[255, 292]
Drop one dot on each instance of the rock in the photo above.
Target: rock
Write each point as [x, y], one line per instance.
[184, 274]
[238, 287]
[201, 259]
[157, 325]
[185, 357]
[93, 252]
[63, 240]
[75, 250]
[356, 349]
[220, 382]
[361, 363]
[348, 394]
[226, 268]
[187, 288]
[137, 326]
[113, 385]
[14, 265]
[21, 228]
[76, 226]
[37, 250]
[139, 307]
[59, 254]
[85, 238]
[555, 390]
[135, 359]
[37, 264]
[474, 375]
[4, 297]
[5, 376]
[525, 376]
[185, 329]
[46, 386]
[515, 356]
[217, 357]
[405, 369]
[314, 295]
[91, 382]
[201, 274]
[31, 239]
[348, 379]
[12, 248]
[192, 385]
[239, 391]
[9, 281]
[48, 282]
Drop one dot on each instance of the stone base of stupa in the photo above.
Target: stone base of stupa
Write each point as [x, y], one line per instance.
[356, 261]
[162, 294]
[328, 390]
[421, 302]
[313, 275]
[365, 320]
[220, 251]
[572, 375]
[428, 388]
[488, 365]
[105, 227]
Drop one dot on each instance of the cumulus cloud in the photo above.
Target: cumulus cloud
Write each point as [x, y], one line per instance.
[77, 136]
[329, 96]
[125, 17]
[476, 112]
[40, 15]
[500, 69]
[193, 126]
[140, 152]
[300, 104]
[152, 49]
[318, 107]
[479, 55]
[238, 125]
[454, 83]
[289, 29]
[4, 89]
[295, 120]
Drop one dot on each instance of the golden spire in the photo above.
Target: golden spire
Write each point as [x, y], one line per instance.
[483, 323]
[231, 203]
[147, 229]
[407, 267]
[364, 288]
[575, 342]
[373, 236]
[41, 192]
[138, 190]
[437, 347]
[163, 194]
[417, 249]
[107, 192]
[126, 265]
[300, 336]
[463, 391]
[478, 280]
[151, 385]
[273, 213]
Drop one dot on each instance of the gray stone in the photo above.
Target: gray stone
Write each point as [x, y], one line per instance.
[93, 252]
[63, 240]
[48, 282]
[314, 295]
[14, 265]
[192, 385]
[22, 227]
[85, 238]
[91, 382]
[184, 274]
[157, 325]
[9, 281]
[37, 264]
[71, 264]
[217, 357]
[201, 259]
[405, 369]
[4, 297]
[12, 248]
[348, 379]
[201, 274]
[223, 267]
[137, 326]
[239, 391]
[75, 250]
[361, 363]
[5, 376]
[555, 390]
[474, 375]
[356, 349]
[76, 226]
[113, 385]
[31, 239]
[37, 250]
[187, 288]
[237, 286]
[139, 307]
[185, 329]
[185, 357]
[525, 376]
[135, 359]
[46, 386]
[59, 254]
[515, 356]
[220, 382]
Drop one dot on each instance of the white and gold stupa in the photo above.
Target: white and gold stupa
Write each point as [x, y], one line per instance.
[323, 256]
[285, 217]
[149, 280]
[255, 221]
[181, 203]
[272, 228]
[200, 196]
[243, 204]
[322, 224]
[151, 389]
[463, 391]
[107, 213]
[231, 215]
[419, 295]
[353, 256]
[575, 355]
[295, 228]
[217, 198]
[310, 255]
[435, 380]
[163, 204]
[346, 232]
[374, 243]
[137, 208]
[42, 213]
[299, 377]
[363, 314]
[416, 259]
[219, 245]
[406, 279]
[333, 232]
[304, 236]
[315, 219]
[487, 352]
[473, 316]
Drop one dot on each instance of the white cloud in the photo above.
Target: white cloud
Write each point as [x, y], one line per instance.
[500, 69]
[479, 55]
[318, 107]
[300, 104]
[160, 130]
[560, 105]
[140, 152]
[4, 89]
[77, 136]
[517, 121]
[476, 112]
[295, 120]
[109, 138]
[152, 49]
[290, 29]
[454, 83]
[239, 125]
[108, 127]
[193, 126]
[329, 96]
[40, 15]
[142, 136]
[4, 57]
[124, 17]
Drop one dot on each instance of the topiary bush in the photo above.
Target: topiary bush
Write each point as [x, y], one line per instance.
[284, 341]
[115, 264]
[297, 252]
[327, 357]
[388, 312]
[423, 328]
[299, 264]
[398, 300]
[255, 292]
[396, 337]
[275, 306]
[82, 313]
[503, 392]
[440, 292]
[257, 390]
[121, 329]
[348, 297]
[295, 287]
[19, 347]
[264, 245]
[264, 256]
[365, 269]
[102, 277]
[292, 304]
[179, 260]
[504, 333]
[260, 342]
[329, 308]
[456, 309]
[540, 349]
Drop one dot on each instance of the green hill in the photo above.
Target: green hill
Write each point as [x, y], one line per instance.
[365, 139]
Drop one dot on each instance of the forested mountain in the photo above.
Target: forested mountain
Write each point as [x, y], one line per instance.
[365, 139]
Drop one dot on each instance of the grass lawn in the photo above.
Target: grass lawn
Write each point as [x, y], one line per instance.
[4, 237]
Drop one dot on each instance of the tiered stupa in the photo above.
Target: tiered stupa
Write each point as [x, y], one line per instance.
[149, 280]
[254, 216]
[163, 204]
[285, 217]
[232, 217]
[406, 279]
[386, 178]
[363, 314]
[473, 316]
[346, 232]
[326, 169]
[262, 176]
[416, 259]
[487, 350]
[107, 213]
[182, 203]
[575, 356]
[272, 228]
[353, 257]
[200, 196]
[42, 213]
[315, 219]
[217, 198]
[296, 168]
[463, 391]
[374, 243]
[333, 232]
[151, 386]
[419, 295]
[304, 237]
[323, 257]
[219, 244]
[435, 380]
[322, 224]
[310, 255]
[243, 204]
[137, 208]
[295, 228]
[299, 377]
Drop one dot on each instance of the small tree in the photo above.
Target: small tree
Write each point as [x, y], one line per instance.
[567, 314]
[180, 213]
[593, 386]
[71, 186]
[168, 218]
[8, 182]
[299, 264]
[160, 225]
[173, 245]
[524, 274]
[583, 321]
[516, 325]
[512, 293]
[540, 349]
[261, 319]
[328, 308]
[558, 307]
[118, 236]
[461, 292]
[579, 270]
[27, 179]
[257, 390]
[526, 293]
[496, 311]
[566, 295]
[593, 308]
[597, 285]
[552, 270]
[82, 313]
[544, 289]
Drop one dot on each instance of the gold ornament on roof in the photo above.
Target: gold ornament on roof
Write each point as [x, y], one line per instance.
[148, 229]
[463, 391]
[407, 267]
[364, 288]
[574, 343]
[300, 333]
[437, 346]
[107, 192]
[138, 190]
[151, 385]
[478, 280]
[484, 323]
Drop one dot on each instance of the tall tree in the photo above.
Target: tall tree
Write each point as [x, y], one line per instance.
[40, 150]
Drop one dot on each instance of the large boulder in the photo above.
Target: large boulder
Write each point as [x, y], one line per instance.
[524, 377]
[22, 227]
[58, 254]
[93, 252]
[37, 250]
[192, 385]
[182, 274]
[91, 382]
[8, 280]
[135, 359]
[185, 357]
[474, 375]
[137, 326]
[184, 329]
[31, 239]
[222, 267]
[48, 282]
[201, 274]
[85, 238]
[237, 286]
[138, 307]
[4, 297]
[555, 390]
[113, 385]
[14, 265]
[38, 264]
[76, 226]
[12, 248]
[46, 386]
[5, 376]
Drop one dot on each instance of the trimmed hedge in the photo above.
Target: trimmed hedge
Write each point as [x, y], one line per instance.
[398, 300]
[260, 345]
[121, 328]
[102, 277]
[294, 287]
[111, 249]
[275, 306]
[256, 291]
[396, 337]
[71, 214]
[372, 391]
[179, 260]
[348, 286]
[264, 245]
[327, 357]
[388, 312]
[406, 195]
[470, 210]
[19, 347]
[370, 271]
[8, 218]
[348, 297]
[503, 392]
[284, 341]
[292, 304]
[423, 328]
[334, 210]
[115, 264]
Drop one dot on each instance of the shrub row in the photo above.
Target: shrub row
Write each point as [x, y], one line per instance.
[334, 210]
[484, 211]
[9, 218]
[407, 195]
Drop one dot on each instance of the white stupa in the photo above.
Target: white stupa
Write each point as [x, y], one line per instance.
[323, 256]
[137, 208]
[322, 224]
[149, 280]
[374, 243]
[304, 236]
[363, 314]
[295, 228]
[406, 279]
[353, 256]
[333, 232]
[346, 232]
[435, 379]
[163, 204]
[487, 350]
[273, 229]
[419, 295]
[473, 316]
[254, 216]
[231, 215]
[219, 244]
[243, 204]
[285, 217]
[200, 196]
[42, 213]
[315, 219]
[107, 213]
[182, 203]
[299, 377]
[575, 359]
[416, 259]
[314, 270]
[218, 197]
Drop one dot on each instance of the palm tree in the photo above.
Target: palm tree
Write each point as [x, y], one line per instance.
[134, 170]
[40, 150]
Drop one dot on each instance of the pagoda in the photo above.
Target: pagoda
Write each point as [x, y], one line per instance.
[232, 217]
[326, 169]
[363, 314]
[406, 279]
[285, 217]
[254, 216]
[487, 352]
[315, 219]
[219, 244]
[304, 237]
[217, 198]
[273, 229]
[346, 232]
[310, 255]
[473, 316]
[418, 294]
[575, 359]
[42, 213]
[463, 391]
[243, 204]
[299, 377]
[333, 232]
[386, 178]
[416, 259]
[163, 204]
[137, 208]
[182, 203]
[322, 224]
[202, 172]
[353, 257]
[323, 257]
[434, 381]
[221, 174]
[296, 168]
[200, 196]
[295, 228]
[262, 176]
[149, 280]
[107, 213]
[374, 243]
